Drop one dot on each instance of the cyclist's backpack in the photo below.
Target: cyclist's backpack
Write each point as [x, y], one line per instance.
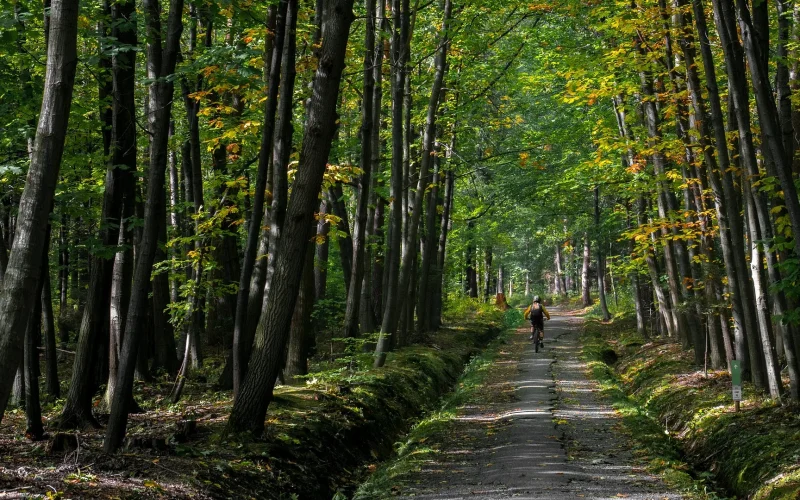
[537, 314]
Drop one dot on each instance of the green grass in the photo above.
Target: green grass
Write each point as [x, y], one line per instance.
[678, 415]
[652, 444]
[416, 448]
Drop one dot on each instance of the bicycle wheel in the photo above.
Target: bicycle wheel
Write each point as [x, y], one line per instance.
[536, 339]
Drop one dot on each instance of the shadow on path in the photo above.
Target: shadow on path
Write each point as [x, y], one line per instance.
[557, 441]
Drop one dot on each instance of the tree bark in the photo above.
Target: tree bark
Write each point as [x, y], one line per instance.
[49, 333]
[586, 297]
[359, 229]
[322, 250]
[762, 307]
[24, 266]
[161, 63]
[336, 202]
[601, 260]
[250, 407]
[242, 335]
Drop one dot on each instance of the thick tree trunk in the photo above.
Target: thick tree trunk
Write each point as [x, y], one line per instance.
[250, 407]
[24, 263]
[161, 63]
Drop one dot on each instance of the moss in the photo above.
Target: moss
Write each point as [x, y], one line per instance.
[416, 449]
[321, 438]
[752, 453]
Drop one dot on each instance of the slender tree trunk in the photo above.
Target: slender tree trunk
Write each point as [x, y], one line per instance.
[283, 139]
[250, 280]
[49, 332]
[487, 273]
[444, 227]
[33, 408]
[359, 229]
[601, 259]
[586, 297]
[391, 308]
[24, 263]
[762, 308]
[767, 112]
[161, 63]
[250, 407]
[322, 249]
[335, 197]
[166, 357]
[719, 176]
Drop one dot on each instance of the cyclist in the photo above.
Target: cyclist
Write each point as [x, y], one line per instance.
[536, 313]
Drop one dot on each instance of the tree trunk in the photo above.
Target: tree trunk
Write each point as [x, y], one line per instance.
[242, 334]
[24, 263]
[487, 274]
[762, 308]
[335, 197]
[161, 63]
[322, 250]
[586, 297]
[444, 227]
[768, 113]
[49, 333]
[33, 408]
[166, 357]
[392, 305]
[302, 328]
[359, 229]
[250, 407]
[719, 175]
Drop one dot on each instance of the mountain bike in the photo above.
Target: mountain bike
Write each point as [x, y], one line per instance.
[536, 335]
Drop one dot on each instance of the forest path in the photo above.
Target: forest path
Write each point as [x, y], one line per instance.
[558, 440]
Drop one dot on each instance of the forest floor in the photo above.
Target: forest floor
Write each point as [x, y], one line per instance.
[537, 427]
[321, 437]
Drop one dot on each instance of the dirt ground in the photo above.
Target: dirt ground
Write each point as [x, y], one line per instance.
[540, 431]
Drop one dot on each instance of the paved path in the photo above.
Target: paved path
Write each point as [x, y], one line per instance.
[556, 441]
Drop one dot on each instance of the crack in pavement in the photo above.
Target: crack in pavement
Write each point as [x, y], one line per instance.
[556, 441]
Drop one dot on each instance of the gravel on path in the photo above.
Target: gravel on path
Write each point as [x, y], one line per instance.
[558, 440]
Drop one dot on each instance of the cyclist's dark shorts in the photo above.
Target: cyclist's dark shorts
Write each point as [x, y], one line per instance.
[538, 323]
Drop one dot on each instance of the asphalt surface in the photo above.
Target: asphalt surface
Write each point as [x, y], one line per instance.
[557, 441]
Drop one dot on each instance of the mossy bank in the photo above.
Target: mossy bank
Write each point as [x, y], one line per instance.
[678, 415]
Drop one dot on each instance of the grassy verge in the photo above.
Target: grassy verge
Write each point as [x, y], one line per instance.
[420, 446]
[676, 416]
[320, 436]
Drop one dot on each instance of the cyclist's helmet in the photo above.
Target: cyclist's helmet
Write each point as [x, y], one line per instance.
[536, 298]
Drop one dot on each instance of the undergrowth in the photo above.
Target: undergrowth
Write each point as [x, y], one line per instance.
[678, 415]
